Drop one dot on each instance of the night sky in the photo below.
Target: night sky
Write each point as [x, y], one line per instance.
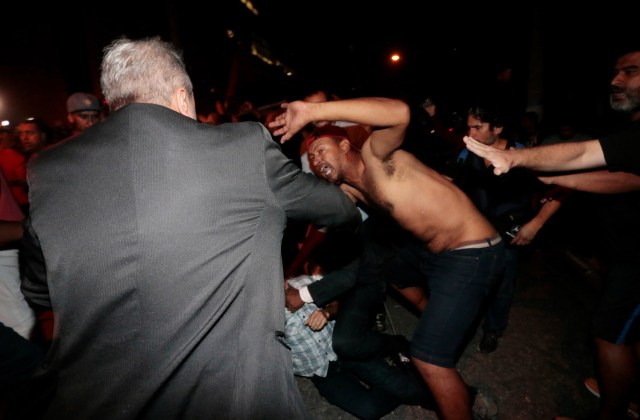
[449, 50]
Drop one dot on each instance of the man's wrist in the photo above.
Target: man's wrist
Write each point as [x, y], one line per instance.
[305, 295]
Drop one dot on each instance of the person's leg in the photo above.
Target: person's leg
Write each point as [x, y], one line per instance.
[403, 273]
[405, 384]
[448, 388]
[341, 388]
[353, 335]
[416, 296]
[19, 359]
[618, 369]
[499, 303]
[617, 337]
[458, 282]
[498, 311]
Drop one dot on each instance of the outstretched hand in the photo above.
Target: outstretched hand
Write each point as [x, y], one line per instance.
[501, 160]
[291, 121]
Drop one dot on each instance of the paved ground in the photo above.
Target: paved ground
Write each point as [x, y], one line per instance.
[544, 356]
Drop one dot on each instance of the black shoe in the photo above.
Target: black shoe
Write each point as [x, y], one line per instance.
[489, 342]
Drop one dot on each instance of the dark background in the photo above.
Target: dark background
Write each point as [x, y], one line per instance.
[562, 59]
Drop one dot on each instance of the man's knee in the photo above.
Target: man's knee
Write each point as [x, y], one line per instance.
[429, 371]
[345, 346]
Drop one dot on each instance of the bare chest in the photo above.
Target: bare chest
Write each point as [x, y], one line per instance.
[382, 182]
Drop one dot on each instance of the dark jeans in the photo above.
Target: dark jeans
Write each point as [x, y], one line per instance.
[458, 283]
[501, 297]
[386, 388]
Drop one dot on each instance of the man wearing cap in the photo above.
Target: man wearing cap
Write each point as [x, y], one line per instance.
[462, 252]
[83, 110]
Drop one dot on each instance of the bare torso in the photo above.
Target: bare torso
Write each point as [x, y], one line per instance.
[422, 201]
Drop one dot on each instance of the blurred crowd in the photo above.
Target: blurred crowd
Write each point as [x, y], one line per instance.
[519, 205]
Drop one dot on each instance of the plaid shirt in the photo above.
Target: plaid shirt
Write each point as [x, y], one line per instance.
[311, 350]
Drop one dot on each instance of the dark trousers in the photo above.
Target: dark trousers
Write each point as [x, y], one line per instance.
[501, 297]
[353, 335]
[387, 387]
[19, 359]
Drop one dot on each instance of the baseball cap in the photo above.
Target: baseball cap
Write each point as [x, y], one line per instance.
[81, 101]
[327, 131]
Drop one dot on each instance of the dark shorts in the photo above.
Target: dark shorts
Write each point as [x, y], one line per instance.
[404, 269]
[617, 318]
[458, 282]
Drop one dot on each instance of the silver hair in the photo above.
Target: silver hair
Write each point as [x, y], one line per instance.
[146, 71]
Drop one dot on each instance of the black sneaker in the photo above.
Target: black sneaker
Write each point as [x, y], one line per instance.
[489, 342]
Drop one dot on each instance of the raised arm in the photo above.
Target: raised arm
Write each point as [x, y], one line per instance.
[553, 157]
[388, 117]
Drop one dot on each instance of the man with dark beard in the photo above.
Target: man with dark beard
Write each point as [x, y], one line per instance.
[616, 325]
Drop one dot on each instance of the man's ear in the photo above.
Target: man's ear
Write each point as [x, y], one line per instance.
[344, 145]
[182, 102]
[498, 130]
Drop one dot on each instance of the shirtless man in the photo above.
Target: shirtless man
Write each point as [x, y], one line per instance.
[462, 251]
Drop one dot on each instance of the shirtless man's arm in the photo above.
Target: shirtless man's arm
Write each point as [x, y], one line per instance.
[390, 116]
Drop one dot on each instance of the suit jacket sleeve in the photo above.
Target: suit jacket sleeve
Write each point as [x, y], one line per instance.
[332, 285]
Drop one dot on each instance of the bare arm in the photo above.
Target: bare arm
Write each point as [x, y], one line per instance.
[602, 182]
[10, 232]
[553, 157]
[529, 230]
[390, 115]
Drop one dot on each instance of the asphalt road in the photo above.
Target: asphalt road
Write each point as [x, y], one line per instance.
[538, 370]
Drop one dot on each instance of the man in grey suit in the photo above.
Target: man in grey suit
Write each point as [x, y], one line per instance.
[160, 237]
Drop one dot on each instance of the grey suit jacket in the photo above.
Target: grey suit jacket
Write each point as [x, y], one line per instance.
[161, 241]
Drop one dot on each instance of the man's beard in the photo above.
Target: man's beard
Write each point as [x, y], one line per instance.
[629, 104]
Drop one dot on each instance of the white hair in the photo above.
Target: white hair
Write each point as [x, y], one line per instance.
[146, 71]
